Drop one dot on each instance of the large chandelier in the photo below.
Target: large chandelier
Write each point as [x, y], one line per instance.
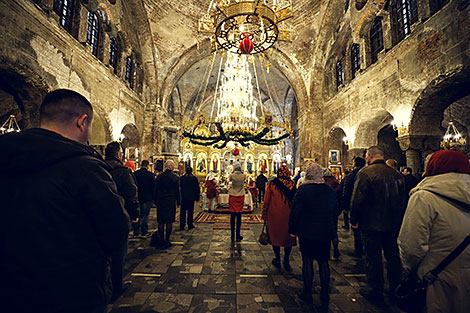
[248, 26]
[236, 115]
[452, 138]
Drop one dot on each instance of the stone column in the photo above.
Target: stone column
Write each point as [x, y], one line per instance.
[414, 145]
[413, 160]
[355, 152]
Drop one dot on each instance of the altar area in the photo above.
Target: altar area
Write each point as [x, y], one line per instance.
[254, 160]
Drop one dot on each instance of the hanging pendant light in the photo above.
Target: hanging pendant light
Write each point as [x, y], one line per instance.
[11, 125]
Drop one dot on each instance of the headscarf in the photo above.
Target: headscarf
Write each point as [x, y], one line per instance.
[283, 175]
[211, 176]
[447, 161]
[130, 165]
[302, 174]
[314, 174]
[169, 165]
[237, 167]
[284, 183]
[327, 172]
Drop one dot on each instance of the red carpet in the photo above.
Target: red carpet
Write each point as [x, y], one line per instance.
[203, 217]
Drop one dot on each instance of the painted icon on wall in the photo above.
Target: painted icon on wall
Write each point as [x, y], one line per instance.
[333, 156]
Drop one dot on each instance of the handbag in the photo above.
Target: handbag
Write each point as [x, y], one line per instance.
[263, 237]
[411, 292]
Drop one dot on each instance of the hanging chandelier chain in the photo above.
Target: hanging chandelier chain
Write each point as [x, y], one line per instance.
[206, 82]
[257, 87]
[217, 84]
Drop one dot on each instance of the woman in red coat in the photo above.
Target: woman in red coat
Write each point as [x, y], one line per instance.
[276, 210]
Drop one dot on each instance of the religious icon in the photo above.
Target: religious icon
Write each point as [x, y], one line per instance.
[249, 166]
[215, 162]
[333, 156]
[202, 165]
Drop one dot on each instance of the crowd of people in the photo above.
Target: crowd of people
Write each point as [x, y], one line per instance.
[67, 213]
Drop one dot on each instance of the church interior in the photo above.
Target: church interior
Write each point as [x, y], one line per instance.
[301, 81]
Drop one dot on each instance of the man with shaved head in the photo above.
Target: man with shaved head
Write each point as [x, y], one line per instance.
[61, 214]
[378, 204]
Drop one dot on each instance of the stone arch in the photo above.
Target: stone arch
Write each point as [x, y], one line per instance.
[24, 91]
[387, 140]
[441, 92]
[131, 136]
[334, 141]
[367, 131]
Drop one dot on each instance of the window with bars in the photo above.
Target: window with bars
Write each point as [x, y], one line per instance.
[64, 8]
[113, 53]
[376, 39]
[406, 14]
[355, 59]
[129, 76]
[93, 32]
[436, 5]
[339, 73]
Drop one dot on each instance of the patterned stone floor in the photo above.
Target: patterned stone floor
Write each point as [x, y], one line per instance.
[204, 272]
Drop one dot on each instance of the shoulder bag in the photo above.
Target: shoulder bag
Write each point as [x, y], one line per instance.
[411, 292]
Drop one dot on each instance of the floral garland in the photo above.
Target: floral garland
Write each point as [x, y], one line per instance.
[242, 137]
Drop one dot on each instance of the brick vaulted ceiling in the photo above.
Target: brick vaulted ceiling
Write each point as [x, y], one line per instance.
[173, 25]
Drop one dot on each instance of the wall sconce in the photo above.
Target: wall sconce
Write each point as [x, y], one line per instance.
[400, 127]
[347, 142]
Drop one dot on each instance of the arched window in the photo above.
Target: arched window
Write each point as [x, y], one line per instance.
[376, 39]
[64, 8]
[355, 59]
[406, 13]
[129, 76]
[436, 5]
[93, 32]
[114, 53]
[339, 73]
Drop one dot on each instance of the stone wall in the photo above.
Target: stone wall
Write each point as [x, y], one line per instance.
[437, 52]
[44, 57]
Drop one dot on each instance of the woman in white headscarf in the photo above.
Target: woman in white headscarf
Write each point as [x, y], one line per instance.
[236, 200]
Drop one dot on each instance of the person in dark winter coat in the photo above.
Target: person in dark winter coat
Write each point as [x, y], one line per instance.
[62, 217]
[261, 181]
[145, 185]
[127, 188]
[331, 181]
[348, 186]
[410, 180]
[312, 219]
[378, 204]
[190, 192]
[167, 198]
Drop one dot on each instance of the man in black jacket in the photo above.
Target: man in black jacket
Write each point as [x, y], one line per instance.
[61, 214]
[145, 185]
[348, 186]
[261, 181]
[190, 192]
[127, 188]
[377, 207]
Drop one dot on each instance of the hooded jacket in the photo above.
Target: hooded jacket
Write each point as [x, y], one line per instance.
[432, 228]
[61, 217]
